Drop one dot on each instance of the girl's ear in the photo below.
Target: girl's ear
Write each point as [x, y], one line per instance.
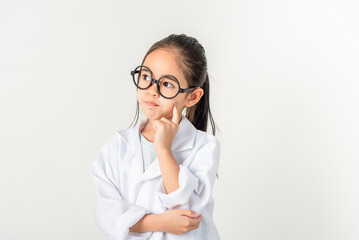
[194, 97]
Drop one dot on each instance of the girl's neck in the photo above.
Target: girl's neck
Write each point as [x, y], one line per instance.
[148, 132]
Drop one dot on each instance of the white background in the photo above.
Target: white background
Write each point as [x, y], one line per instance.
[284, 94]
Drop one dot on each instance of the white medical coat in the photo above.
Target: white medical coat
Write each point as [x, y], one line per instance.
[124, 193]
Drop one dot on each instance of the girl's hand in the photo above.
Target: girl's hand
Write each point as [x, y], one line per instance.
[166, 131]
[179, 221]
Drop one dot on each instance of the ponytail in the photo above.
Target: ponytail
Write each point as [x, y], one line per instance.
[198, 114]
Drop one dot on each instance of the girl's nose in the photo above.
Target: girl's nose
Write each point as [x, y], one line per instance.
[152, 90]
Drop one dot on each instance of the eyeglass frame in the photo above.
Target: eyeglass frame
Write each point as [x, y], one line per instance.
[180, 90]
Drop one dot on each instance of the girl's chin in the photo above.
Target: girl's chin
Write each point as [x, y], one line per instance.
[154, 116]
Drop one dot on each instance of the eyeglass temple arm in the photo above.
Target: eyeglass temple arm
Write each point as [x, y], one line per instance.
[187, 89]
[133, 72]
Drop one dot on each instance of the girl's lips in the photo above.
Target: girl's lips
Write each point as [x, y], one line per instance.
[151, 104]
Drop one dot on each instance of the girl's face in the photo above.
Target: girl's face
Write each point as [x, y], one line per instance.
[162, 62]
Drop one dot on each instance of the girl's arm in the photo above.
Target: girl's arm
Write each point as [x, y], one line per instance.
[195, 180]
[166, 131]
[148, 223]
[176, 221]
[169, 169]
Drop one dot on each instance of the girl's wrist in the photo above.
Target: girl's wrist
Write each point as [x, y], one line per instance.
[148, 223]
[155, 223]
[159, 221]
[164, 151]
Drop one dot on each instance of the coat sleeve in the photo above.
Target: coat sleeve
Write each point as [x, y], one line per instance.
[113, 215]
[195, 181]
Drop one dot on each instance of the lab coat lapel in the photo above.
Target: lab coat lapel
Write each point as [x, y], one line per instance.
[133, 163]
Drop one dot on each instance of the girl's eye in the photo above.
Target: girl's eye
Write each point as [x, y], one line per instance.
[146, 77]
[167, 84]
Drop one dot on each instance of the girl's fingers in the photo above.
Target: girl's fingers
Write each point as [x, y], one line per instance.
[195, 222]
[158, 124]
[176, 115]
[166, 120]
[189, 213]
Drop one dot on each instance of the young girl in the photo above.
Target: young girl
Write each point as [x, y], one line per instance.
[154, 180]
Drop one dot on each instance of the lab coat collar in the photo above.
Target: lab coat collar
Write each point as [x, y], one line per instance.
[133, 164]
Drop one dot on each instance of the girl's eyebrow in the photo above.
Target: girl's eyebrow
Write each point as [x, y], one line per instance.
[150, 71]
[145, 69]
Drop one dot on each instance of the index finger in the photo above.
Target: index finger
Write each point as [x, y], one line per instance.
[176, 115]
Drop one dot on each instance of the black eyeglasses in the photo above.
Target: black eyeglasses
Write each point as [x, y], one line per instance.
[167, 85]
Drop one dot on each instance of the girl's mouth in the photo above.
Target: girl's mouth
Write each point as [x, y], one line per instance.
[151, 104]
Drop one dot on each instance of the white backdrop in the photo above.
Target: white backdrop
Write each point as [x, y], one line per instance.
[284, 94]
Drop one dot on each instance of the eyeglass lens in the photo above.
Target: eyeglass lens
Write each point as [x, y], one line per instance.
[168, 86]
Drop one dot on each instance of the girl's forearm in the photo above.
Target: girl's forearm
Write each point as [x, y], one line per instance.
[169, 169]
[148, 223]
